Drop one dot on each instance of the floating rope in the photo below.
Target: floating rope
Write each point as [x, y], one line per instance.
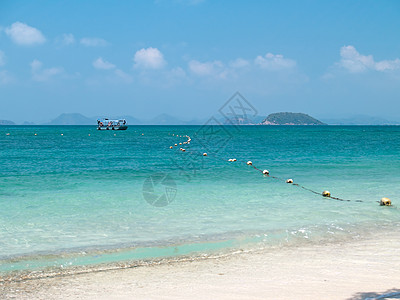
[325, 194]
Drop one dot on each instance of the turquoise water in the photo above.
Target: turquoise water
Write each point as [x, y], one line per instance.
[72, 195]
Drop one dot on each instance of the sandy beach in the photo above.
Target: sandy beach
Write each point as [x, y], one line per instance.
[364, 269]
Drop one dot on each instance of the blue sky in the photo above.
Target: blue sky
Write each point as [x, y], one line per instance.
[187, 57]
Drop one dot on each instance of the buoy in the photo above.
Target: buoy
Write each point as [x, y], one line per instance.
[142, 133]
[180, 143]
[289, 181]
[183, 150]
[326, 193]
[233, 159]
[35, 133]
[173, 134]
[89, 134]
[176, 145]
[7, 133]
[62, 133]
[230, 159]
[265, 172]
[385, 202]
[204, 154]
[249, 163]
[170, 147]
[115, 134]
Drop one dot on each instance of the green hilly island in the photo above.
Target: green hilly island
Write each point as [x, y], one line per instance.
[289, 118]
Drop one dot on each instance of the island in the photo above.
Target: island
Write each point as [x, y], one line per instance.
[6, 122]
[289, 118]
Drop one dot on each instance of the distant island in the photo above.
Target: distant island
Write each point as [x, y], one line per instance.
[289, 118]
[281, 118]
[6, 122]
[72, 119]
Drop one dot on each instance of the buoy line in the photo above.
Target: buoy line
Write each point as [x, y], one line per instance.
[326, 194]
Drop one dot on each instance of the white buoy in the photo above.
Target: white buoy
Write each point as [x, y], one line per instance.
[233, 159]
[35, 133]
[180, 143]
[62, 133]
[230, 159]
[183, 150]
[170, 147]
[115, 134]
[289, 181]
[7, 133]
[326, 193]
[204, 154]
[89, 134]
[385, 202]
[265, 172]
[250, 163]
[176, 145]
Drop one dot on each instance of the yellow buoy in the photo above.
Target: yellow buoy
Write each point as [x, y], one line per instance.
[265, 172]
[204, 154]
[289, 180]
[326, 193]
[249, 163]
[385, 202]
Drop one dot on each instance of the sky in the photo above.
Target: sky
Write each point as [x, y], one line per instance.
[186, 58]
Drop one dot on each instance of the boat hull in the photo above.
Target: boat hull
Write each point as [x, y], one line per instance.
[123, 127]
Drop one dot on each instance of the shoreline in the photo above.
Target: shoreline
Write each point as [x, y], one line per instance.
[352, 270]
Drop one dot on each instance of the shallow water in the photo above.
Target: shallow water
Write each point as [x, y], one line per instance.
[72, 195]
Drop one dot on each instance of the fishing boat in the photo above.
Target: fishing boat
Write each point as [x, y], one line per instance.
[109, 124]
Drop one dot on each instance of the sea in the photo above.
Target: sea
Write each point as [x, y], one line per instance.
[75, 197]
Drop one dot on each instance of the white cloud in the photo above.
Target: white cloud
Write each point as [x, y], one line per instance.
[25, 35]
[355, 62]
[239, 63]
[274, 62]
[103, 64]
[211, 68]
[93, 42]
[2, 58]
[39, 74]
[150, 58]
[5, 77]
[124, 76]
[68, 39]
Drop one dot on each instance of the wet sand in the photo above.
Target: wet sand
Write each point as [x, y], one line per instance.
[353, 270]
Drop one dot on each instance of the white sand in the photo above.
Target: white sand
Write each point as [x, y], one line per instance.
[355, 270]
